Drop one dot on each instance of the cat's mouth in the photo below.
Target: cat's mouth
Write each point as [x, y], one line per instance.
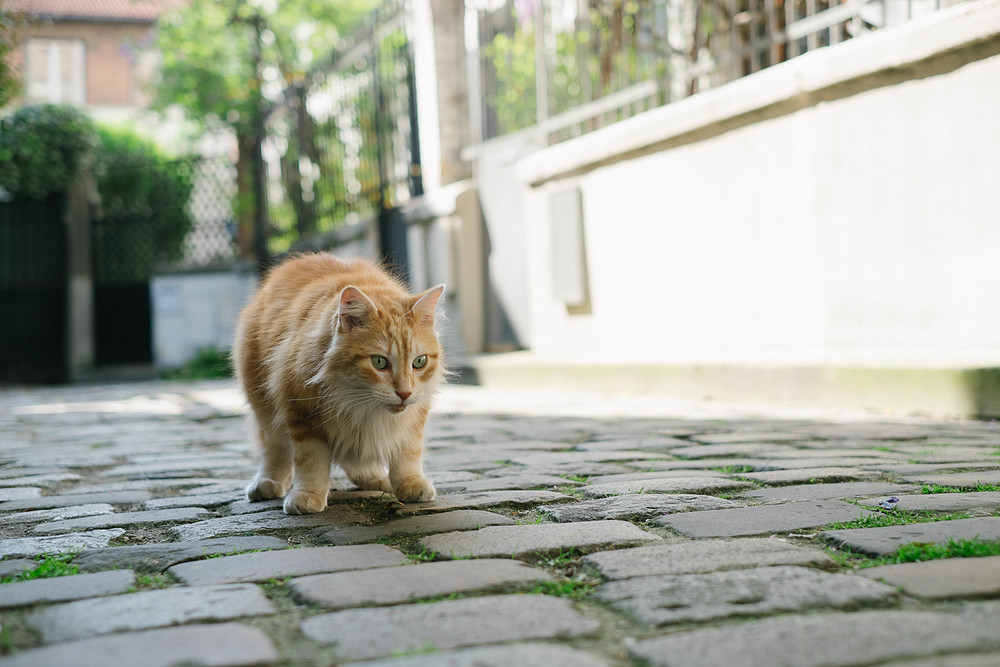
[398, 407]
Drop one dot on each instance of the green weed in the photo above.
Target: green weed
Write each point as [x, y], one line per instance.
[151, 582]
[209, 362]
[734, 470]
[894, 518]
[237, 552]
[564, 557]
[917, 552]
[573, 589]
[49, 565]
[976, 548]
[423, 556]
[584, 479]
[937, 488]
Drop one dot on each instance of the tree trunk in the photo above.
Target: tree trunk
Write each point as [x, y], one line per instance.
[245, 197]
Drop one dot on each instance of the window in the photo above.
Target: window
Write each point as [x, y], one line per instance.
[55, 71]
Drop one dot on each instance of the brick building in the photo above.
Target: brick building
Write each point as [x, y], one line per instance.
[94, 54]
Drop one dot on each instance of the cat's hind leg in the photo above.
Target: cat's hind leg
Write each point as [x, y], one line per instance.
[275, 472]
[367, 477]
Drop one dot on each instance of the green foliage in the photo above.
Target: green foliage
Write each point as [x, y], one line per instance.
[424, 555]
[40, 149]
[916, 551]
[895, 518]
[734, 470]
[151, 582]
[144, 204]
[49, 565]
[919, 551]
[208, 50]
[573, 589]
[937, 488]
[208, 363]
[10, 81]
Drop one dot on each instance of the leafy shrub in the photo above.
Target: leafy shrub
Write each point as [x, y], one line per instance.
[40, 149]
[143, 203]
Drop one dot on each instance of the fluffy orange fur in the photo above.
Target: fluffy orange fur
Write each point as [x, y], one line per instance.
[339, 364]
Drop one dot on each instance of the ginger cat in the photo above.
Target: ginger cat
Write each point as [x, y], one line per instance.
[339, 364]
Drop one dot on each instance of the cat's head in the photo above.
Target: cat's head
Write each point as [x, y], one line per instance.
[385, 354]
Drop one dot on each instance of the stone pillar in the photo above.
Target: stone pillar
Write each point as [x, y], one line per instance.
[80, 288]
[438, 34]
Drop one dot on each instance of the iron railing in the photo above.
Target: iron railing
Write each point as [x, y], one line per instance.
[564, 67]
[342, 146]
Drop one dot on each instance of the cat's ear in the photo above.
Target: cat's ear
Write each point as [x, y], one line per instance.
[356, 309]
[425, 305]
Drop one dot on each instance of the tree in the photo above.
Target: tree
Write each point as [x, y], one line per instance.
[225, 60]
[11, 25]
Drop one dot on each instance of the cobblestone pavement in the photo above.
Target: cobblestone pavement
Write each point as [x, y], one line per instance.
[569, 529]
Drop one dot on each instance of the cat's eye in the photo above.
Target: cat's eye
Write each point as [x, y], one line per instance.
[380, 362]
[420, 361]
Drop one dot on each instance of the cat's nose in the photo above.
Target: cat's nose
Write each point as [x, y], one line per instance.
[403, 395]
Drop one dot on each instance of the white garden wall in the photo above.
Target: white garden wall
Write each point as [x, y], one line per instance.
[840, 208]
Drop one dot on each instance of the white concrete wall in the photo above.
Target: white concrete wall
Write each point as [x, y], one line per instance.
[192, 311]
[843, 207]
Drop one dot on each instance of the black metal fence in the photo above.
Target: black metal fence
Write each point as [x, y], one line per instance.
[153, 214]
[33, 291]
[571, 66]
[343, 146]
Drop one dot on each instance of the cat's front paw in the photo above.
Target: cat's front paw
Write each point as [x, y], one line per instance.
[304, 502]
[262, 488]
[415, 489]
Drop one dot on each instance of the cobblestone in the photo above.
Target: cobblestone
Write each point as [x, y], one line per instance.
[219, 644]
[62, 589]
[120, 519]
[71, 499]
[535, 561]
[861, 638]
[634, 506]
[886, 540]
[837, 491]
[416, 525]
[943, 579]
[496, 656]
[361, 633]
[149, 609]
[697, 485]
[513, 541]
[286, 563]
[762, 520]
[485, 499]
[150, 558]
[663, 600]
[36, 546]
[704, 556]
[406, 583]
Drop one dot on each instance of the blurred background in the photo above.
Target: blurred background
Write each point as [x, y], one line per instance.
[791, 201]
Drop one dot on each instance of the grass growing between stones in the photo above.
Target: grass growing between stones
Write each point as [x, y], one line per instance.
[894, 518]
[937, 488]
[733, 470]
[49, 565]
[423, 556]
[574, 589]
[151, 582]
[918, 551]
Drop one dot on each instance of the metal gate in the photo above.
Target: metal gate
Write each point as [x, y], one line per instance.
[142, 220]
[343, 146]
[33, 292]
